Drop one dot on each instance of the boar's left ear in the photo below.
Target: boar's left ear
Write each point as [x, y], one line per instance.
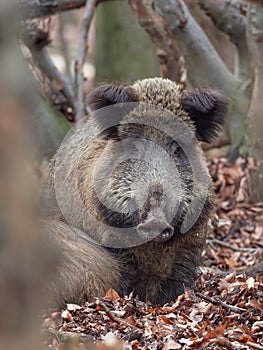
[207, 108]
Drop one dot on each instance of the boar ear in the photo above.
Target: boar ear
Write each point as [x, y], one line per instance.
[207, 108]
[116, 96]
[109, 94]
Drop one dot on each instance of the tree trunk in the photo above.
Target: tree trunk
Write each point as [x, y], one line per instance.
[254, 140]
[124, 52]
[205, 67]
[23, 267]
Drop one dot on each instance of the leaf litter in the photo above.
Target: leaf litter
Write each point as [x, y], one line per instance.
[223, 311]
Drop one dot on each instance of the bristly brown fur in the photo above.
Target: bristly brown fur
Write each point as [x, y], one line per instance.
[84, 270]
[156, 271]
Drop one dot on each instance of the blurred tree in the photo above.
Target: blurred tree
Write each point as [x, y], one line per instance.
[124, 52]
[24, 259]
[254, 132]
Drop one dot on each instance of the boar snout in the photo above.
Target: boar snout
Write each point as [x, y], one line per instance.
[156, 230]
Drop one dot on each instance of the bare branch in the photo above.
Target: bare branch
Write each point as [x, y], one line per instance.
[169, 53]
[35, 8]
[219, 40]
[83, 47]
[64, 45]
[44, 62]
[202, 61]
[229, 18]
[205, 66]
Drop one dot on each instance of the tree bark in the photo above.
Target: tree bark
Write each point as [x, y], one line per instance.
[219, 40]
[254, 140]
[232, 21]
[255, 42]
[202, 61]
[229, 17]
[205, 67]
[170, 56]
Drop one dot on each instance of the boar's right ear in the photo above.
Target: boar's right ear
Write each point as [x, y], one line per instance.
[207, 108]
[109, 94]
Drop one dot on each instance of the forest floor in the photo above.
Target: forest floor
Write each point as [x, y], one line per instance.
[223, 311]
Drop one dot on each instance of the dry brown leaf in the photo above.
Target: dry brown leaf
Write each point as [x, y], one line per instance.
[112, 294]
[218, 331]
[66, 315]
[73, 307]
[171, 345]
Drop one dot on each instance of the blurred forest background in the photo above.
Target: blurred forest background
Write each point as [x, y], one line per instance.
[69, 46]
[52, 52]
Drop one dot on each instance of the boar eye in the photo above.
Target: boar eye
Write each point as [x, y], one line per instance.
[174, 149]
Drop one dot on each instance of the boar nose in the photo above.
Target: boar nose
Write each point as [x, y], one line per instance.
[156, 230]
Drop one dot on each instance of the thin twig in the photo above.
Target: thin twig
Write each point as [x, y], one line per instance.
[64, 45]
[253, 270]
[66, 336]
[254, 345]
[229, 246]
[83, 46]
[116, 319]
[220, 302]
[256, 269]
